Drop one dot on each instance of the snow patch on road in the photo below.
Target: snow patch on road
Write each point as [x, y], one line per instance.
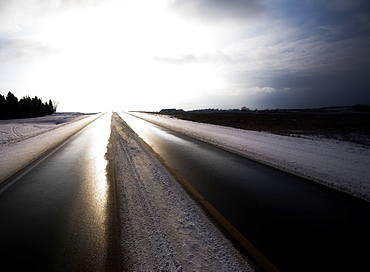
[338, 164]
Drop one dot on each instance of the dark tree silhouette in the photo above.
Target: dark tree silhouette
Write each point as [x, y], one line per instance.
[3, 105]
[11, 108]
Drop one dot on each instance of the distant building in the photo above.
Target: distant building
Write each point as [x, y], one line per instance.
[170, 110]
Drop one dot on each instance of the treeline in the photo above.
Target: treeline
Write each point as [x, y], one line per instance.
[27, 107]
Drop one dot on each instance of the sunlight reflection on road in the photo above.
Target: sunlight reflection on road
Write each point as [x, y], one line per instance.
[88, 223]
[97, 178]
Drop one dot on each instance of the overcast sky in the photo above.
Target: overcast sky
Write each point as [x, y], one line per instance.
[95, 55]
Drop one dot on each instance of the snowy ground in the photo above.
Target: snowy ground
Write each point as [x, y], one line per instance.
[338, 164]
[24, 140]
[16, 130]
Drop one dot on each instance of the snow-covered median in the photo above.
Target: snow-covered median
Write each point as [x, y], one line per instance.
[338, 164]
[24, 140]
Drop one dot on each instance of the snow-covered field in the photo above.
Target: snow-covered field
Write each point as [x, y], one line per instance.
[341, 165]
[24, 140]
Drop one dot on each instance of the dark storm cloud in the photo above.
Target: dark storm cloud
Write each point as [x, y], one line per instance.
[344, 81]
[325, 62]
[317, 90]
[219, 10]
[343, 76]
[321, 49]
[330, 19]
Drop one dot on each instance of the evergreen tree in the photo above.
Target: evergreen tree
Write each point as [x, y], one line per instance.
[27, 107]
[51, 107]
[12, 106]
[3, 113]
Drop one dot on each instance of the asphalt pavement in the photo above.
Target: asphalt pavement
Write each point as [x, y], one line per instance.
[57, 214]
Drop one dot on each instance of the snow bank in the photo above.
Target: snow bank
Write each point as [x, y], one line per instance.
[337, 164]
[24, 140]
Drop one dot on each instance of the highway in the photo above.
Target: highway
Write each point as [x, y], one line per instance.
[57, 213]
[297, 224]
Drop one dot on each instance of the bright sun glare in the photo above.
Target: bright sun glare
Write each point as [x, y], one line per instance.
[107, 56]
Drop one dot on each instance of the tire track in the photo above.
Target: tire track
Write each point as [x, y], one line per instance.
[15, 133]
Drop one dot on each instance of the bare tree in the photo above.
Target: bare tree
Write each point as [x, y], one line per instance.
[55, 105]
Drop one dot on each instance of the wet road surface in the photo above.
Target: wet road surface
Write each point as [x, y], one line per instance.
[297, 224]
[56, 216]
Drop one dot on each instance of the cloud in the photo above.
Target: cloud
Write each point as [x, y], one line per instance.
[258, 89]
[215, 58]
[311, 53]
[219, 10]
[25, 50]
[180, 60]
[20, 16]
[345, 5]
[231, 52]
[333, 46]
[317, 88]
